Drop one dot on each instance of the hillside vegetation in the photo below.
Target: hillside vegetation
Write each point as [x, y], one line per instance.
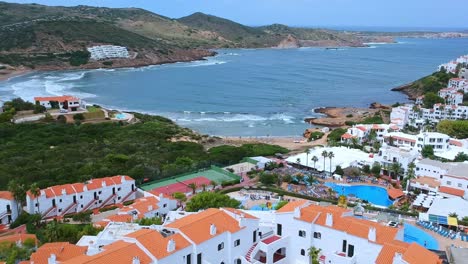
[54, 153]
[429, 84]
[37, 35]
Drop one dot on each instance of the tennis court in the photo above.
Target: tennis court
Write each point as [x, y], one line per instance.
[213, 174]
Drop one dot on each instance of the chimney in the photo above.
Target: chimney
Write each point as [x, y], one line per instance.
[150, 208]
[372, 236]
[123, 178]
[329, 220]
[170, 245]
[103, 183]
[212, 229]
[136, 260]
[85, 188]
[161, 196]
[297, 212]
[64, 192]
[52, 259]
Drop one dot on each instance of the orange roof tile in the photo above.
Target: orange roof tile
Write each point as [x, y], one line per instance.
[142, 206]
[388, 251]
[56, 98]
[289, 207]
[6, 195]
[17, 237]
[455, 143]
[118, 252]
[431, 182]
[395, 193]
[123, 218]
[62, 250]
[156, 244]
[416, 254]
[452, 191]
[362, 128]
[197, 226]
[347, 136]
[239, 213]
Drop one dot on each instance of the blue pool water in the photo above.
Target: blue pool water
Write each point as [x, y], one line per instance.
[373, 194]
[262, 208]
[414, 234]
[120, 116]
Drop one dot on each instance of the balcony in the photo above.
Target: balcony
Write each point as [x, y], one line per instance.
[341, 257]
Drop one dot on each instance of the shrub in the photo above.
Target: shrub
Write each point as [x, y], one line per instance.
[316, 135]
[83, 217]
[349, 115]
[108, 208]
[350, 123]
[128, 203]
[61, 119]
[78, 117]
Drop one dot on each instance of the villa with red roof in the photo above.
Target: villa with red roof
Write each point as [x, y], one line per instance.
[65, 102]
[361, 132]
[78, 197]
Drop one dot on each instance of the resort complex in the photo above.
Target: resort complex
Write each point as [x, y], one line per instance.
[103, 52]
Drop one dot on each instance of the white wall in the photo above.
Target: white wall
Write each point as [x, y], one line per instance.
[5, 217]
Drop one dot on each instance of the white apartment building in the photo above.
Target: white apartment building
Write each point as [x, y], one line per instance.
[108, 52]
[451, 96]
[458, 84]
[8, 208]
[231, 236]
[65, 102]
[400, 116]
[388, 155]
[417, 116]
[400, 139]
[439, 142]
[78, 197]
[451, 177]
[362, 131]
[452, 65]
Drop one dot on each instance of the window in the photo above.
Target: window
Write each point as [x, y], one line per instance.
[237, 242]
[60, 200]
[165, 205]
[449, 183]
[302, 252]
[199, 258]
[350, 251]
[99, 192]
[238, 261]
[81, 196]
[302, 233]
[118, 189]
[317, 235]
[221, 246]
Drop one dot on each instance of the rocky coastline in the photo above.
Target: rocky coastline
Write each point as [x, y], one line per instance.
[406, 89]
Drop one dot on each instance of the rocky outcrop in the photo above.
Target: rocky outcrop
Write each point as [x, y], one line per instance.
[289, 43]
[408, 90]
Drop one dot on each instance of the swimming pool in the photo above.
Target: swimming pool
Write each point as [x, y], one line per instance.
[121, 116]
[414, 234]
[373, 194]
[262, 207]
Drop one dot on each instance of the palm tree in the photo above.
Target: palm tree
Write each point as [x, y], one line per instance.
[314, 159]
[18, 191]
[314, 255]
[203, 185]
[35, 191]
[298, 161]
[324, 155]
[213, 183]
[331, 155]
[307, 157]
[410, 174]
[193, 186]
[396, 168]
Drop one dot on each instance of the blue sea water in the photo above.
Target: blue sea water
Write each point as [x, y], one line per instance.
[373, 194]
[251, 92]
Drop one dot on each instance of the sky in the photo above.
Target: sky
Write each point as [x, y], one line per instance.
[419, 14]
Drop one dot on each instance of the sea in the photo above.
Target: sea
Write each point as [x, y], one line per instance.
[250, 92]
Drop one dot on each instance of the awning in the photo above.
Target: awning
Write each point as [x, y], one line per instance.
[452, 221]
[395, 193]
[444, 220]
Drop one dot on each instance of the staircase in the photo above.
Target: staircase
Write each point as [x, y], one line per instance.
[85, 208]
[127, 196]
[107, 200]
[249, 253]
[2, 215]
[46, 213]
[73, 205]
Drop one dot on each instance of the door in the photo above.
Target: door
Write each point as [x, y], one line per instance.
[74, 198]
[53, 202]
[254, 236]
[279, 229]
[199, 258]
[350, 251]
[345, 245]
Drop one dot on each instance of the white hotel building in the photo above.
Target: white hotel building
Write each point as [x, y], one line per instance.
[78, 197]
[231, 236]
[8, 208]
[449, 179]
[108, 52]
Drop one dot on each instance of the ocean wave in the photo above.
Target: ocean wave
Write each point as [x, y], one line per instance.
[218, 117]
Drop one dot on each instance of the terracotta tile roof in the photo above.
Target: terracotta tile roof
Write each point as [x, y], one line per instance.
[156, 244]
[124, 218]
[416, 254]
[360, 228]
[289, 207]
[6, 195]
[362, 128]
[118, 252]
[455, 143]
[388, 251]
[431, 182]
[395, 193]
[17, 237]
[93, 184]
[62, 250]
[142, 206]
[239, 213]
[452, 191]
[197, 226]
[401, 138]
[347, 136]
[57, 98]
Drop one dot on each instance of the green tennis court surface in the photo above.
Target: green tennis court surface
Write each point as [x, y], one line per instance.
[213, 174]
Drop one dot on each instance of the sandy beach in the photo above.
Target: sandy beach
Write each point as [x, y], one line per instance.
[8, 73]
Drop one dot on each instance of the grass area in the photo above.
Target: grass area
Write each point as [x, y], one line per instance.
[94, 114]
[211, 174]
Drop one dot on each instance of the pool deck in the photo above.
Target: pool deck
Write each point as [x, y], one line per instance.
[444, 243]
